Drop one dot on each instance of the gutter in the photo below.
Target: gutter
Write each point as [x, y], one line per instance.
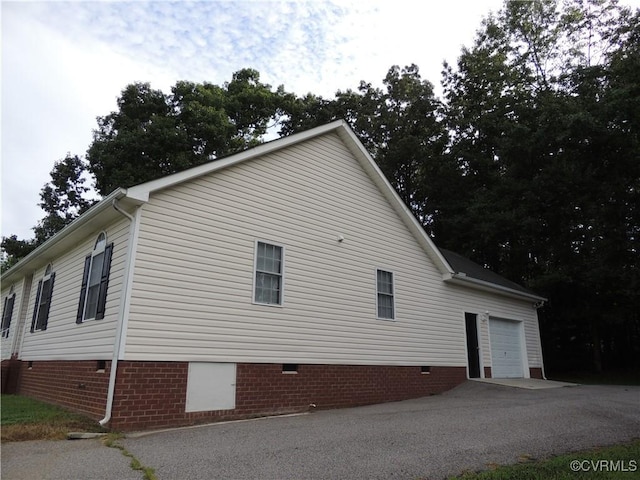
[123, 313]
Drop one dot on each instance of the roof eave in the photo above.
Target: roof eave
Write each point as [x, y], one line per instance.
[466, 281]
[32, 258]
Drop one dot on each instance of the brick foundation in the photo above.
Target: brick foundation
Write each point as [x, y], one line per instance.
[6, 369]
[153, 394]
[10, 375]
[150, 395]
[487, 372]
[77, 385]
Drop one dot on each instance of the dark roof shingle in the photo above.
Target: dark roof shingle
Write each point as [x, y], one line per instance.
[471, 269]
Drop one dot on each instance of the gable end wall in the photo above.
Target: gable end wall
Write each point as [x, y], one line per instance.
[192, 287]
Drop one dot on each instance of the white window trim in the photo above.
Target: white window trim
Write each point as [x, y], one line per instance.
[5, 330]
[255, 268]
[48, 271]
[393, 292]
[98, 248]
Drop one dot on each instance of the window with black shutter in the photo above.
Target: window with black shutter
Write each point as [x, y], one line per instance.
[43, 300]
[95, 281]
[7, 312]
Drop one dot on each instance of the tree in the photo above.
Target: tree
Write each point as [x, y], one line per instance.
[13, 250]
[153, 134]
[400, 126]
[139, 142]
[63, 199]
[548, 154]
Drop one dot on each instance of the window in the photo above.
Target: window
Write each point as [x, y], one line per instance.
[269, 263]
[385, 294]
[43, 300]
[7, 312]
[95, 281]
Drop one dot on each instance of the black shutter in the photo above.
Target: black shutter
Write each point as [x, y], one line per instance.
[7, 313]
[48, 305]
[83, 289]
[104, 282]
[35, 307]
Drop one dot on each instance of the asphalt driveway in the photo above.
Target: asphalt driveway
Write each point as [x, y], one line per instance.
[465, 429]
[468, 428]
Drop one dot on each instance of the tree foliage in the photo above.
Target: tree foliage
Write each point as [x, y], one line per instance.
[153, 134]
[400, 126]
[62, 199]
[543, 114]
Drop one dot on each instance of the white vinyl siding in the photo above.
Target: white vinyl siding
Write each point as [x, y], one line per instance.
[64, 339]
[478, 302]
[194, 274]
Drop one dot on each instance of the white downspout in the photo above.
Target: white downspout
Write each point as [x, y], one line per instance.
[124, 306]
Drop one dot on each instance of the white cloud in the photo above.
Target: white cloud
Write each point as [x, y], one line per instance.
[64, 63]
[53, 88]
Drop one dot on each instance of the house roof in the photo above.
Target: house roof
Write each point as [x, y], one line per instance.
[101, 213]
[473, 272]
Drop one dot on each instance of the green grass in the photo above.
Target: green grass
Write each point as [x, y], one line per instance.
[594, 464]
[112, 440]
[24, 418]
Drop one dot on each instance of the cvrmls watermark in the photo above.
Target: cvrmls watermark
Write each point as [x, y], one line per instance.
[604, 465]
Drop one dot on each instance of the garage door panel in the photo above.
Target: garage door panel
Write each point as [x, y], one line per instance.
[506, 349]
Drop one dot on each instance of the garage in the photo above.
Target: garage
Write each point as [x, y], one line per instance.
[506, 348]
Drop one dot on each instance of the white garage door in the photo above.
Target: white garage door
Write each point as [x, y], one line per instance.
[506, 349]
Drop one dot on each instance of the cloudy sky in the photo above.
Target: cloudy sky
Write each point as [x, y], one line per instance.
[65, 63]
